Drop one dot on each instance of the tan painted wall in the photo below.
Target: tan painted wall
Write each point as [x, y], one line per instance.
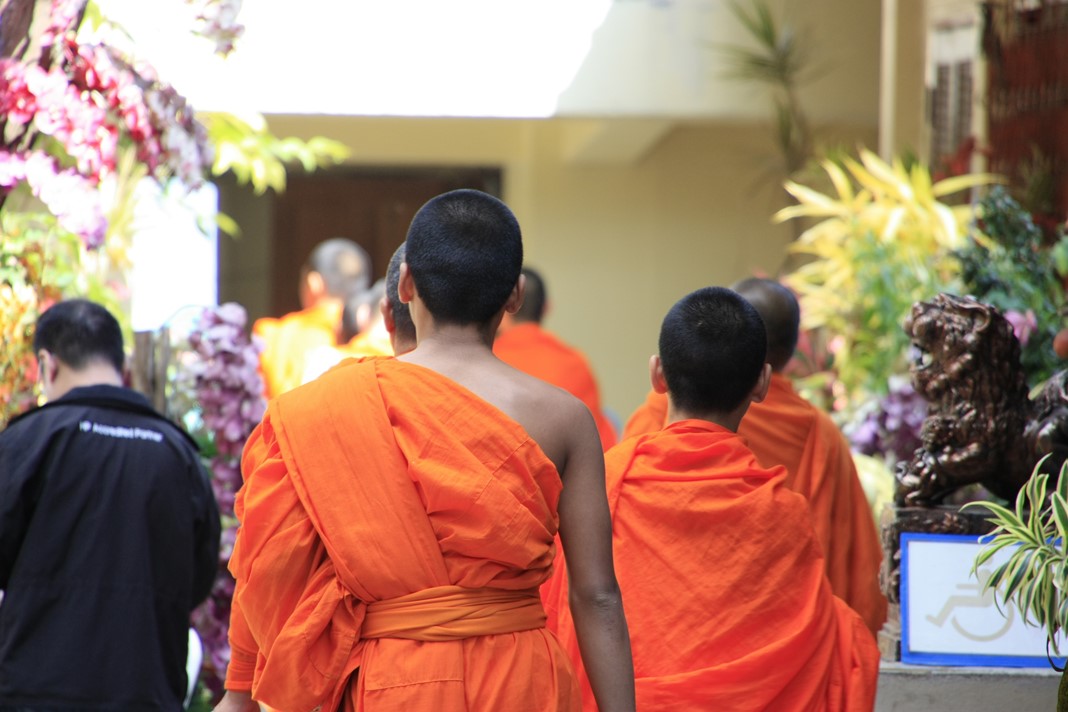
[618, 242]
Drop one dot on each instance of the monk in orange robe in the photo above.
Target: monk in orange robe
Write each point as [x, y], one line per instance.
[524, 344]
[364, 334]
[785, 429]
[725, 593]
[395, 314]
[336, 269]
[398, 515]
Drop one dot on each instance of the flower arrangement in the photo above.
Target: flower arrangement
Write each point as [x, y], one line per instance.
[890, 427]
[219, 384]
[82, 122]
[883, 241]
[39, 264]
[73, 106]
[1007, 263]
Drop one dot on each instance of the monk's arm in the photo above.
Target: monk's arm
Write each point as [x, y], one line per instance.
[276, 546]
[594, 596]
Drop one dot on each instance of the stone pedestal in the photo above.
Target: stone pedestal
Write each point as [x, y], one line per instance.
[916, 688]
[927, 520]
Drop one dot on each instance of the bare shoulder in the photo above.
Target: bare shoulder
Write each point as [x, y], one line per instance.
[559, 422]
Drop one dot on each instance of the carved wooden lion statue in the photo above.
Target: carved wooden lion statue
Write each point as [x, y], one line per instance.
[980, 427]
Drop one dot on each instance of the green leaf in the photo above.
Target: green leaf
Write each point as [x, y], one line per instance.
[1059, 509]
[1035, 490]
[227, 224]
[988, 552]
[1018, 574]
[1059, 253]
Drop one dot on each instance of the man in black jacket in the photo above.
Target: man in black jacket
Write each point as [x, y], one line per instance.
[109, 533]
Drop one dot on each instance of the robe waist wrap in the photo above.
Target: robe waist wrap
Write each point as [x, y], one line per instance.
[453, 613]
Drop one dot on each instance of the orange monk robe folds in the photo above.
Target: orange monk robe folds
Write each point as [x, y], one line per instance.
[785, 429]
[723, 584]
[392, 521]
[287, 340]
[535, 351]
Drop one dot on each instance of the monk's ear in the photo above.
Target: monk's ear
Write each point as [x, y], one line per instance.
[316, 285]
[515, 299]
[405, 285]
[386, 307]
[656, 374]
[760, 390]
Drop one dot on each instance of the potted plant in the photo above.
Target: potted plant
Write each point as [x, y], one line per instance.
[1034, 577]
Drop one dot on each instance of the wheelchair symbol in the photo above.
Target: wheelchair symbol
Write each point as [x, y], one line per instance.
[980, 598]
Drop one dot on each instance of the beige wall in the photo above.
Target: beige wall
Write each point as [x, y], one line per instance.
[619, 233]
[620, 244]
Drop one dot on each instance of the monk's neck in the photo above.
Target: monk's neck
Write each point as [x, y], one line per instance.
[451, 338]
[730, 421]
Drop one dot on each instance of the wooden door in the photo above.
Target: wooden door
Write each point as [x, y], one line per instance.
[371, 207]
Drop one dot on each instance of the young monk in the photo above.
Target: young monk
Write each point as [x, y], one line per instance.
[728, 605]
[395, 313]
[523, 342]
[785, 429]
[398, 515]
[364, 334]
[336, 269]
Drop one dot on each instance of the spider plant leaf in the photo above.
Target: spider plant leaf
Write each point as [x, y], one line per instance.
[1059, 510]
[998, 511]
[988, 551]
[1020, 573]
[1035, 490]
[1021, 503]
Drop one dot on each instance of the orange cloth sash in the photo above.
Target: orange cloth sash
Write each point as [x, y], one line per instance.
[453, 613]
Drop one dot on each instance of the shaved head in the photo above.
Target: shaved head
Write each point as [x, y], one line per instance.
[344, 266]
[533, 309]
[778, 307]
[402, 318]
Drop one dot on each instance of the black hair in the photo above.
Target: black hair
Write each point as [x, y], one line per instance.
[79, 332]
[533, 309]
[402, 317]
[465, 251]
[350, 313]
[781, 313]
[712, 349]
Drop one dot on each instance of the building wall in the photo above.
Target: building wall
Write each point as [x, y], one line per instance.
[619, 232]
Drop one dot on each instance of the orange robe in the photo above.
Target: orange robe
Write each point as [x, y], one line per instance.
[533, 350]
[723, 585]
[394, 523]
[785, 429]
[288, 339]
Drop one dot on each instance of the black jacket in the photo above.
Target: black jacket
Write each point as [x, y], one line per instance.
[109, 537]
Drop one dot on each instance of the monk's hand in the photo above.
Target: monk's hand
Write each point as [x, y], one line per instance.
[234, 701]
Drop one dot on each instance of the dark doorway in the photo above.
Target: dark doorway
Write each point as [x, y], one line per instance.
[372, 207]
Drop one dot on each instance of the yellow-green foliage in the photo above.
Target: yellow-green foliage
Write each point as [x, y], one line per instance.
[883, 241]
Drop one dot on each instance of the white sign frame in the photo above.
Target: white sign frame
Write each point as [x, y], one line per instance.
[947, 619]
